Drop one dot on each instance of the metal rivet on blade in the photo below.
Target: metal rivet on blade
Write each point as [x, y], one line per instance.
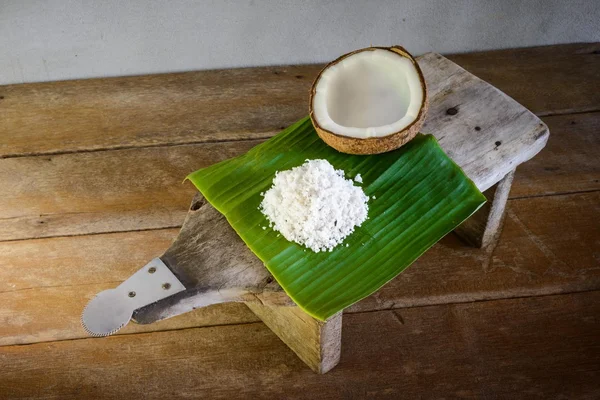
[166, 286]
[152, 270]
[131, 294]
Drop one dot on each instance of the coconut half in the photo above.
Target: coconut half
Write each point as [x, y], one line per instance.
[369, 101]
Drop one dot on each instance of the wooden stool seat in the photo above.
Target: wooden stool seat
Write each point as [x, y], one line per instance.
[486, 132]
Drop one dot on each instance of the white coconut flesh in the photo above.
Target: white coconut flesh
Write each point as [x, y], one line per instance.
[371, 93]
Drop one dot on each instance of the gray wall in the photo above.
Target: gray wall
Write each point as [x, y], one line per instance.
[66, 39]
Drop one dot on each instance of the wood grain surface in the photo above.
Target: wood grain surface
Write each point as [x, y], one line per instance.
[119, 190]
[531, 259]
[190, 107]
[569, 162]
[535, 348]
[547, 80]
[460, 322]
[222, 105]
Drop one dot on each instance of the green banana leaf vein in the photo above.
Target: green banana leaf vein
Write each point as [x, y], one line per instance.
[420, 195]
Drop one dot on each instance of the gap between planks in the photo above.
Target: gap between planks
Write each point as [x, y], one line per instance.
[261, 137]
[536, 196]
[184, 328]
[393, 310]
[267, 135]
[178, 226]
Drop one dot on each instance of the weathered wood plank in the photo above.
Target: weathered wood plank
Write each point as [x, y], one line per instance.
[53, 313]
[80, 260]
[119, 190]
[151, 110]
[459, 104]
[568, 163]
[547, 80]
[250, 103]
[544, 347]
[549, 245]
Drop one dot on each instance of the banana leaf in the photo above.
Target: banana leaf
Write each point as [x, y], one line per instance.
[420, 195]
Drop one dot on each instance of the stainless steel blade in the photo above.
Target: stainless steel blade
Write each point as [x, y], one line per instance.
[112, 309]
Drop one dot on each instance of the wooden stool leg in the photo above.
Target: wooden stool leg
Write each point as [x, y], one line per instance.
[317, 343]
[483, 228]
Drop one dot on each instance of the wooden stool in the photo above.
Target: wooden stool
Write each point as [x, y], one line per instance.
[486, 132]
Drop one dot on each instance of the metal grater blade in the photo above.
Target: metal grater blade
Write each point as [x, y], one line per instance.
[112, 309]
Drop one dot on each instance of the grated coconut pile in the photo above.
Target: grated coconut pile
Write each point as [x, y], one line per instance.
[314, 205]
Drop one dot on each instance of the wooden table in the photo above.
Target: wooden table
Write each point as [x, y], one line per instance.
[90, 174]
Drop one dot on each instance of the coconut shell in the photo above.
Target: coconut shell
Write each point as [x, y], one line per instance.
[374, 145]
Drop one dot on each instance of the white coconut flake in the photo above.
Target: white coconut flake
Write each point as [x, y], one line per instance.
[314, 205]
[358, 178]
